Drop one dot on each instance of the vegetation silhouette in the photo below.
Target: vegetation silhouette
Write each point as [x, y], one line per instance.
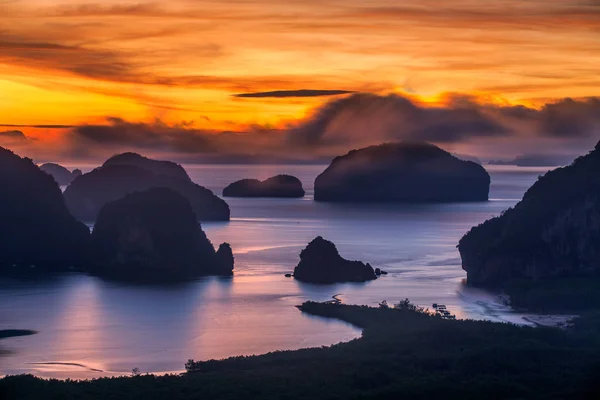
[404, 352]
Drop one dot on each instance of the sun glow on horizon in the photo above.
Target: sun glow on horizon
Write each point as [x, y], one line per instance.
[263, 66]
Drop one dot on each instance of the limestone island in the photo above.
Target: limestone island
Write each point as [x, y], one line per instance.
[61, 175]
[159, 167]
[550, 239]
[38, 232]
[409, 172]
[130, 172]
[154, 236]
[320, 262]
[276, 186]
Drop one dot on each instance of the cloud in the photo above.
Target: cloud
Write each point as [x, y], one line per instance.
[13, 136]
[294, 93]
[14, 139]
[181, 141]
[460, 123]
[54, 126]
[153, 136]
[365, 118]
[568, 118]
[118, 66]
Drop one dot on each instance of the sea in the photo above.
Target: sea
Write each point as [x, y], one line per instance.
[88, 327]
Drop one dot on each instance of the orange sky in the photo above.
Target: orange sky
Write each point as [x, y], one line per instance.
[79, 61]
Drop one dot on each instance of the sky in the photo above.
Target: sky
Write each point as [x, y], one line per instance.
[197, 79]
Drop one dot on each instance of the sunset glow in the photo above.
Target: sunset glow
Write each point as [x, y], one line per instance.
[78, 62]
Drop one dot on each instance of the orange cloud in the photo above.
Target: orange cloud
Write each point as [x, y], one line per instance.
[183, 60]
[479, 125]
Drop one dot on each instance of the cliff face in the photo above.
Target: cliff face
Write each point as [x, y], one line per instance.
[320, 262]
[402, 172]
[86, 195]
[276, 186]
[154, 235]
[36, 228]
[553, 231]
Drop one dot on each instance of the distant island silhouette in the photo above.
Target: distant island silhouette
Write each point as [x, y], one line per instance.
[411, 172]
[276, 186]
[535, 160]
[60, 174]
[130, 172]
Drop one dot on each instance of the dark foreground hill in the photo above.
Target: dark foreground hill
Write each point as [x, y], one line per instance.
[403, 354]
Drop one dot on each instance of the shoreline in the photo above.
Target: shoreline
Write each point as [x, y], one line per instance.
[537, 320]
[562, 321]
[407, 351]
[8, 333]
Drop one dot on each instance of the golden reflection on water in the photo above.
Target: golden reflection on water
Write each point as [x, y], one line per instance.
[75, 345]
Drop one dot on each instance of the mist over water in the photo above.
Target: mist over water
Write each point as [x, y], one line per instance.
[91, 327]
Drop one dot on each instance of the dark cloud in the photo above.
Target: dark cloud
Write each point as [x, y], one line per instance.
[294, 93]
[362, 119]
[478, 128]
[181, 141]
[37, 126]
[367, 118]
[153, 136]
[568, 117]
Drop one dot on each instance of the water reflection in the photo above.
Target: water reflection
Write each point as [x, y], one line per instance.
[85, 323]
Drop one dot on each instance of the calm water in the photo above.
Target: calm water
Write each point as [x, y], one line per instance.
[89, 327]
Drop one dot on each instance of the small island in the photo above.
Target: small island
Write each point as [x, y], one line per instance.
[60, 174]
[38, 232]
[409, 172]
[320, 262]
[403, 352]
[154, 235]
[276, 186]
[131, 172]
